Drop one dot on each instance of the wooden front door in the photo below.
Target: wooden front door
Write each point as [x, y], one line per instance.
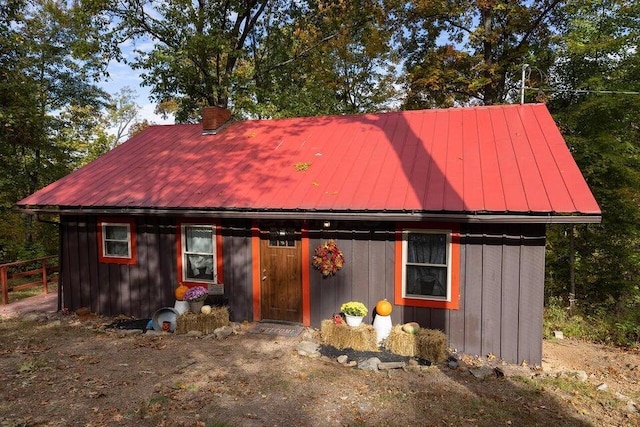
[281, 275]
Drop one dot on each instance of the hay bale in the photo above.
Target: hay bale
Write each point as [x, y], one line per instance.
[205, 323]
[360, 338]
[431, 345]
[428, 344]
[400, 342]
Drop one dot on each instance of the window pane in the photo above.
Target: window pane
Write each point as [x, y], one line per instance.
[427, 248]
[426, 281]
[120, 249]
[282, 238]
[200, 267]
[199, 239]
[116, 232]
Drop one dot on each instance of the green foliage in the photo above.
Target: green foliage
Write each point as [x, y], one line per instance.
[593, 323]
[602, 131]
[470, 52]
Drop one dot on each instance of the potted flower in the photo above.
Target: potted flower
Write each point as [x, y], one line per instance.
[196, 296]
[354, 311]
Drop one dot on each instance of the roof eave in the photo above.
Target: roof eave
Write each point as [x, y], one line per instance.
[366, 215]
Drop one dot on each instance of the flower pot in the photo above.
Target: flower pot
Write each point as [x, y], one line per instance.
[195, 306]
[181, 306]
[353, 320]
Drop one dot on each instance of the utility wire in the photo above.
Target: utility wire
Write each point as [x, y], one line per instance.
[619, 92]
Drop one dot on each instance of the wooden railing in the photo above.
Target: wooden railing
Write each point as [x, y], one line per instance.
[19, 275]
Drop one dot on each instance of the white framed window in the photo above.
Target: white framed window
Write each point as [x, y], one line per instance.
[426, 265]
[198, 243]
[116, 240]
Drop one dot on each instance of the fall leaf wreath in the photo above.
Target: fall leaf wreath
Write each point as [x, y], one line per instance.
[328, 258]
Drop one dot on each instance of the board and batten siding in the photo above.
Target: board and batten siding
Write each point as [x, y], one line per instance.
[501, 286]
[112, 289]
[141, 289]
[501, 279]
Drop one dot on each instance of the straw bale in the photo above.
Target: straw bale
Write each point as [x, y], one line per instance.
[432, 345]
[400, 342]
[205, 323]
[428, 344]
[360, 338]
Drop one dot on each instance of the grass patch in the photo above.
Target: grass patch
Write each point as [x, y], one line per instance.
[31, 292]
[600, 325]
[31, 365]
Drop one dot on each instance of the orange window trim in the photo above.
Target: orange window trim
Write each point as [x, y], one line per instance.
[454, 304]
[306, 284]
[219, 252]
[132, 237]
[256, 276]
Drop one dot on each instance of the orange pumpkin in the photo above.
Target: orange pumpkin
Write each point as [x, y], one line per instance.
[383, 307]
[180, 291]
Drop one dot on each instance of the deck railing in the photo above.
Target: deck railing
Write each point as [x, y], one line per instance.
[19, 275]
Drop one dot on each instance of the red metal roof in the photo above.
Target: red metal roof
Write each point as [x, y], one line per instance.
[500, 159]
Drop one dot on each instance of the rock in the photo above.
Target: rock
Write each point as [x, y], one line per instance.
[412, 362]
[308, 348]
[602, 387]
[581, 375]
[195, 333]
[365, 407]
[391, 365]
[558, 335]
[351, 363]
[453, 364]
[621, 396]
[370, 364]
[510, 371]
[83, 311]
[343, 359]
[32, 317]
[482, 372]
[222, 332]
[631, 407]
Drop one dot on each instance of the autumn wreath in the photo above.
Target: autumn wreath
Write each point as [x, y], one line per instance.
[328, 258]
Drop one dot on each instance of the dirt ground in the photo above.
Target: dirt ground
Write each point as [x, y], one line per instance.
[59, 370]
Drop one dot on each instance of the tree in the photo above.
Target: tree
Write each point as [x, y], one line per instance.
[48, 61]
[263, 58]
[599, 53]
[198, 46]
[331, 58]
[472, 52]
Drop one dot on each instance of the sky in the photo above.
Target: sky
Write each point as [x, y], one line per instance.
[122, 75]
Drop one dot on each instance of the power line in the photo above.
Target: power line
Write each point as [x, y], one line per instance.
[619, 92]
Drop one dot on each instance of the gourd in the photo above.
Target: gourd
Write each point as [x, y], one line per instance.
[180, 291]
[383, 307]
[206, 309]
[411, 328]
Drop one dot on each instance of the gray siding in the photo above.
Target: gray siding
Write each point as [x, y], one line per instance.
[113, 289]
[140, 289]
[501, 279]
[501, 286]
[236, 245]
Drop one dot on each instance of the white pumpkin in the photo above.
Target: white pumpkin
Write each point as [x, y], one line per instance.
[206, 309]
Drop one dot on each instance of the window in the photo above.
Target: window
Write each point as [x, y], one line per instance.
[282, 238]
[198, 243]
[116, 238]
[428, 275]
